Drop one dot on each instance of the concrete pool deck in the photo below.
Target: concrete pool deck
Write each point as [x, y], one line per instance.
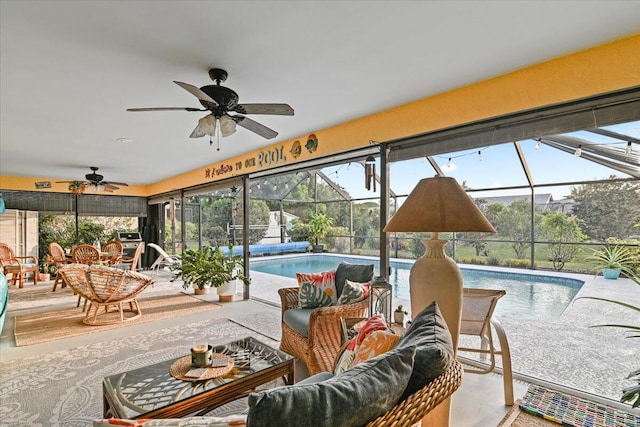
[566, 351]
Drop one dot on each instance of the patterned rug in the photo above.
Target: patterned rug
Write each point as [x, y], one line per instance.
[64, 388]
[575, 412]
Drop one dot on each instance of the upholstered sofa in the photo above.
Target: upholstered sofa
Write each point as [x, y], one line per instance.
[396, 388]
[313, 335]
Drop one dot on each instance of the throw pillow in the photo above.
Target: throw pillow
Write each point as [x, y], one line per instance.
[231, 420]
[310, 296]
[354, 272]
[430, 336]
[348, 356]
[353, 292]
[325, 281]
[353, 398]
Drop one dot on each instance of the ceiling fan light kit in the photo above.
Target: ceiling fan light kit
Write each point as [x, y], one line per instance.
[220, 101]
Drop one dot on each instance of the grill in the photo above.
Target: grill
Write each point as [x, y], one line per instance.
[130, 242]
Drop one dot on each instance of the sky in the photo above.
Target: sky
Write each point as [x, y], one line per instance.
[497, 166]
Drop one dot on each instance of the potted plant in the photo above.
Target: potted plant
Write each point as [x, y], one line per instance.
[210, 267]
[77, 187]
[319, 225]
[45, 275]
[398, 315]
[612, 260]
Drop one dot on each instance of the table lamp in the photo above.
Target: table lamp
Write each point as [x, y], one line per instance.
[436, 205]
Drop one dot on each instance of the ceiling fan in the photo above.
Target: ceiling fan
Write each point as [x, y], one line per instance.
[220, 101]
[96, 180]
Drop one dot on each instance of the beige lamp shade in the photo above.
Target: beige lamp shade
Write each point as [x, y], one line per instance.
[439, 204]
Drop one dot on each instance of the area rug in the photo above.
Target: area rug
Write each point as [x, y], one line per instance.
[572, 411]
[266, 323]
[52, 325]
[518, 418]
[64, 388]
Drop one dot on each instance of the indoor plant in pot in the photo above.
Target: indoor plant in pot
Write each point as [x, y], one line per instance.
[209, 267]
[612, 260]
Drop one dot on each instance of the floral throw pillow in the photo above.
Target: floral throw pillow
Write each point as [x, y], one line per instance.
[373, 339]
[353, 292]
[317, 289]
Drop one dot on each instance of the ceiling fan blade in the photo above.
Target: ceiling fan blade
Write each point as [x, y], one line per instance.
[113, 183]
[109, 186]
[279, 109]
[197, 133]
[195, 91]
[255, 127]
[166, 109]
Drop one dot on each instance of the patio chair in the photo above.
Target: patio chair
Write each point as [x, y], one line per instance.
[477, 320]
[314, 335]
[163, 260]
[85, 254]
[106, 288]
[59, 259]
[18, 266]
[130, 263]
[111, 252]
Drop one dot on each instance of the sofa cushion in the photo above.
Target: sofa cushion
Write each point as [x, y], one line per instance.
[325, 283]
[319, 377]
[298, 320]
[354, 272]
[431, 338]
[352, 398]
[353, 292]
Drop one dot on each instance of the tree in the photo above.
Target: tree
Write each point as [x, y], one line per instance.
[607, 209]
[514, 223]
[561, 229]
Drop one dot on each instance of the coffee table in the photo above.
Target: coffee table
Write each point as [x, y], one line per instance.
[151, 391]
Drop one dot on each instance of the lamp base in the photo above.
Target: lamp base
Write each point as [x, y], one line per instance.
[436, 277]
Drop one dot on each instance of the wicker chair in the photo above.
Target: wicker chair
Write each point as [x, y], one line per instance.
[59, 259]
[130, 263]
[17, 266]
[85, 254]
[106, 288]
[111, 252]
[318, 350]
[412, 409]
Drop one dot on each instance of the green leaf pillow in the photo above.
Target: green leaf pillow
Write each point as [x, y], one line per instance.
[311, 296]
[353, 292]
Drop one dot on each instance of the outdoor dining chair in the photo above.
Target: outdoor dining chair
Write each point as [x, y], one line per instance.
[59, 259]
[17, 266]
[111, 252]
[477, 320]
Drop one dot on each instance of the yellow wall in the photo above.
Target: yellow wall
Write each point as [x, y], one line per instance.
[606, 68]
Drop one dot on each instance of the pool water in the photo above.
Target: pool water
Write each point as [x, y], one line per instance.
[529, 296]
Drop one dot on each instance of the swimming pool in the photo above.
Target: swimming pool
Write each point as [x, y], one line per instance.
[529, 296]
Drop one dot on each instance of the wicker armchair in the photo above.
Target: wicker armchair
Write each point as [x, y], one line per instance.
[106, 288]
[412, 409]
[318, 351]
[111, 252]
[17, 266]
[59, 259]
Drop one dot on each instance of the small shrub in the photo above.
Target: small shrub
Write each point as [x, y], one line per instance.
[518, 263]
[473, 260]
[494, 260]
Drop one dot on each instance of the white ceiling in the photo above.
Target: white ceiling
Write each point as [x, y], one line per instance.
[70, 69]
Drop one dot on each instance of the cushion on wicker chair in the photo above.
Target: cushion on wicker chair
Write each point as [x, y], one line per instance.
[354, 272]
[298, 320]
[430, 336]
[352, 398]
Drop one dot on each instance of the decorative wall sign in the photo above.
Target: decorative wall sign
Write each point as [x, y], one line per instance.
[312, 143]
[43, 184]
[296, 149]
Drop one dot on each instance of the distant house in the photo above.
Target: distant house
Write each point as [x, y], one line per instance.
[544, 202]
